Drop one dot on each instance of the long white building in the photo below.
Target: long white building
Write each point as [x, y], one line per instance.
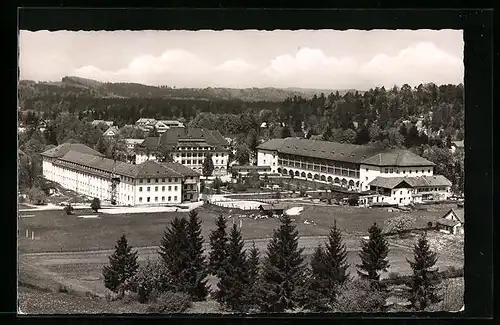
[188, 147]
[85, 171]
[352, 167]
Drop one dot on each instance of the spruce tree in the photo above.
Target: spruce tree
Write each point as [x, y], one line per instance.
[196, 280]
[218, 246]
[423, 291]
[175, 253]
[373, 256]
[335, 262]
[233, 278]
[282, 269]
[122, 266]
[314, 284]
[253, 272]
[208, 166]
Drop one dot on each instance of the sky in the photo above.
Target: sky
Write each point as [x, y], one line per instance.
[319, 59]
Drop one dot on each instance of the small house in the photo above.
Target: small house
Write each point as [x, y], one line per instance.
[452, 222]
[111, 132]
[271, 209]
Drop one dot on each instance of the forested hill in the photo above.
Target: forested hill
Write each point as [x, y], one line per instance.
[81, 87]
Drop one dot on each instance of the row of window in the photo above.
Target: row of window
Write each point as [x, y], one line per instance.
[198, 161]
[156, 188]
[148, 199]
[199, 154]
[391, 170]
[157, 180]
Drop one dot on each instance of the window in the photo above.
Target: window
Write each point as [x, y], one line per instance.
[401, 192]
[216, 155]
[149, 188]
[429, 171]
[404, 171]
[169, 198]
[274, 164]
[170, 180]
[149, 180]
[148, 198]
[367, 169]
[183, 162]
[140, 199]
[175, 198]
[140, 188]
[422, 171]
[156, 199]
[397, 171]
[163, 199]
[140, 181]
[216, 161]
[366, 178]
[189, 161]
[156, 188]
[169, 188]
[386, 170]
[391, 170]
[163, 188]
[410, 171]
[175, 188]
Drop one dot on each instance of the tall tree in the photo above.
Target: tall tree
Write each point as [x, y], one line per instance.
[423, 291]
[363, 135]
[373, 256]
[102, 146]
[285, 132]
[208, 166]
[122, 266]
[335, 262]
[233, 278]
[253, 272]
[282, 269]
[252, 142]
[196, 277]
[218, 246]
[242, 155]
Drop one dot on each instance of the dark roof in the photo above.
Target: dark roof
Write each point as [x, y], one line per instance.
[171, 138]
[417, 181]
[105, 166]
[66, 147]
[270, 207]
[345, 152]
[238, 167]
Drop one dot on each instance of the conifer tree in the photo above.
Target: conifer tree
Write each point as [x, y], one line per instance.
[282, 269]
[122, 266]
[335, 262]
[218, 246]
[197, 283]
[423, 291]
[314, 284]
[253, 272]
[175, 253]
[233, 277]
[373, 256]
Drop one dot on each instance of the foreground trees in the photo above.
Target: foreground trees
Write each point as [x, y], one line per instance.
[373, 256]
[122, 266]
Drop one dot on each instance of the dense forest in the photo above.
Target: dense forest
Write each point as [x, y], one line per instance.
[424, 119]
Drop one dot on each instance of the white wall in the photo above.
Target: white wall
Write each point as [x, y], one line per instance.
[175, 191]
[368, 173]
[268, 158]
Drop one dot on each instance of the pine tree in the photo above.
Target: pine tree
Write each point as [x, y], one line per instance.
[314, 284]
[253, 272]
[123, 265]
[218, 246]
[101, 146]
[175, 253]
[282, 269]
[423, 291]
[373, 256]
[233, 278]
[208, 166]
[196, 280]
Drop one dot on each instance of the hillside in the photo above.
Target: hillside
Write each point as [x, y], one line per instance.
[88, 87]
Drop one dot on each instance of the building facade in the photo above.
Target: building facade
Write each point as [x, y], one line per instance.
[350, 166]
[85, 171]
[188, 147]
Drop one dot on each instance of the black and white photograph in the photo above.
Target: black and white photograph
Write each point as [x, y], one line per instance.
[240, 171]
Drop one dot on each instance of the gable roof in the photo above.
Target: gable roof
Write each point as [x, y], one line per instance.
[113, 129]
[267, 207]
[459, 213]
[417, 181]
[173, 136]
[64, 148]
[345, 152]
[181, 169]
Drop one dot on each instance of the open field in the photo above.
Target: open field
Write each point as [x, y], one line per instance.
[56, 231]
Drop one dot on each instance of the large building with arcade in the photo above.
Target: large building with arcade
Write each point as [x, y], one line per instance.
[84, 170]
[355, 167]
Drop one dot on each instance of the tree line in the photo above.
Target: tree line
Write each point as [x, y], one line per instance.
[279, 281]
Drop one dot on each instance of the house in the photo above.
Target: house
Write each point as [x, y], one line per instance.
[164, 125]
[111, 132]
[457, 145]
[452, 222]
[131, 143]
[146, 124]
[271, 209]
[263, 125]
[98, 122]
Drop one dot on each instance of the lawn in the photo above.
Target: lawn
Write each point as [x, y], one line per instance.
[56, 231]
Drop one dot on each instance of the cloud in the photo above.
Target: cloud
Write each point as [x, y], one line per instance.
[236, 65]
[419, 63]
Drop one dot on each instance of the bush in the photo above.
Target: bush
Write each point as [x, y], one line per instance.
[36, 196]
[68, 209]
[150, 277]
[358, 296]
[170, 302]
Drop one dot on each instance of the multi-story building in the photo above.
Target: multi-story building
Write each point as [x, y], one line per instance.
[350, 166]
[85, 171]
[189, 147]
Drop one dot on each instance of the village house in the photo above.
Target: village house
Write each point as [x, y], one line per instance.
[271, 209]
[84, 170]
[111, 132]
[164, 125]
[452, 222]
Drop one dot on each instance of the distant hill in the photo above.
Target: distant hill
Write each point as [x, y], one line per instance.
[99, 89]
